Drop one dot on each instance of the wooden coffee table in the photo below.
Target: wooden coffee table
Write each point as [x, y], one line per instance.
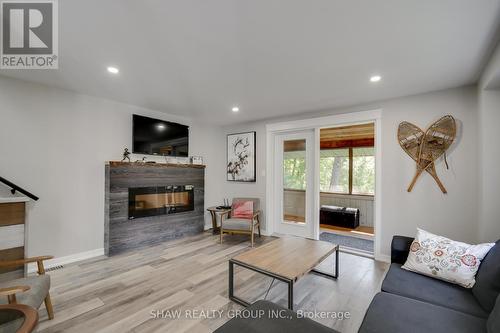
[285, 259]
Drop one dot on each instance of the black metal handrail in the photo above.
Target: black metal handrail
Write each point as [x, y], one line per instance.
[15, 188]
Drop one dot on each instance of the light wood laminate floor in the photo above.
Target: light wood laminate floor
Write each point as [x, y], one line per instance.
[118, 294]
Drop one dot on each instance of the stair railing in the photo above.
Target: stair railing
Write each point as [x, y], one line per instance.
[15, 188]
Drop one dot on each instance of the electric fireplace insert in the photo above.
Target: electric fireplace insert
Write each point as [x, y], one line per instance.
[160, 200]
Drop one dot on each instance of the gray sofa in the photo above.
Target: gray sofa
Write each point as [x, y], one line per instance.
[265, 321]
[410, 302]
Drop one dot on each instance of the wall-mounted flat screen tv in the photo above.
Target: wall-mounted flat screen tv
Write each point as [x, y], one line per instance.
[159, 137]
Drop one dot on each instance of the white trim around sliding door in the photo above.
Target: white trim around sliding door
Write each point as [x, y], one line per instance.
[316, 124]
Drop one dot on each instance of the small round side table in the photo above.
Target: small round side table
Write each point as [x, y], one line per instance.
[214, 211]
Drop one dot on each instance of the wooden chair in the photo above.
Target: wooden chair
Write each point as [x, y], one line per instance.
[31, 290]
[18, 318]
[231, 225]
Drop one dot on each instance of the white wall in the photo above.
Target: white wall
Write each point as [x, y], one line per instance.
[489, 125]
[55, 143]
[453, 214]
[257, 189]
[489, 176]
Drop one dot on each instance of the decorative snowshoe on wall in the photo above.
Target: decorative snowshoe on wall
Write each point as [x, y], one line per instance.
[426, 147]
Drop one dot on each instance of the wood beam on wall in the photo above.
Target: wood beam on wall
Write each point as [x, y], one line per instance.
[353, 136]
[362, 131]
[347, 143]
[299, 145]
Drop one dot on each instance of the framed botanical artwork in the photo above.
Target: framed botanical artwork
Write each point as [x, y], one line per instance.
[241, 157]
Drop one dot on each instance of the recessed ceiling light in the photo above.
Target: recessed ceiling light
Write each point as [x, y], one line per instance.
[375, 78]
[235, 109]
[113, 70]
[161, 127]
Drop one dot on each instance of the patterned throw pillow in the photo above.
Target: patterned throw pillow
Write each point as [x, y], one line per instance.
[445, 259]
[243, 210]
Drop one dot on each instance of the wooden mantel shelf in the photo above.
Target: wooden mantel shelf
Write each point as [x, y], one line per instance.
[155, 165]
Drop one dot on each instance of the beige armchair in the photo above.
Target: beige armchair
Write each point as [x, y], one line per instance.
[31, 290]
[18, 318]
[231, 225]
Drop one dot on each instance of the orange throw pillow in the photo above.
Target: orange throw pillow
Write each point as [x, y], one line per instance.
[243, 210]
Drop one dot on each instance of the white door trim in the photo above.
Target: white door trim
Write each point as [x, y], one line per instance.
[317, 123]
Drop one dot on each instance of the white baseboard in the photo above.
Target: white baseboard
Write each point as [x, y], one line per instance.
[265, 233]
[58, 261]
[383, 258]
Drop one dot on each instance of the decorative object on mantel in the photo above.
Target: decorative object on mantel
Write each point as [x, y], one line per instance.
[143, 160]
[198, 160]
[426, 147]
[241, 157]
[126, 155]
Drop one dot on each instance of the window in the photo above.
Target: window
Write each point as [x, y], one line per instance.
[334, 170]
[363, 170]
[343, 170]
[294, 170]
[348, 170]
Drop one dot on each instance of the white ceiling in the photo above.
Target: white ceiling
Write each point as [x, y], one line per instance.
[198, 58]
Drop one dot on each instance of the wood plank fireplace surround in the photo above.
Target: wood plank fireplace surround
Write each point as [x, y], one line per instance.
[146, 204]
